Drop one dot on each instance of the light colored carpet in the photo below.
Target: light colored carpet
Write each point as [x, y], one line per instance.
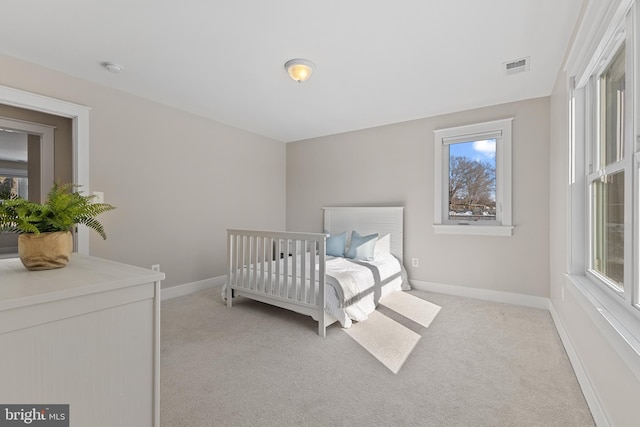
[385, 339]
[463, 362]
[388, 340]
[417, 309]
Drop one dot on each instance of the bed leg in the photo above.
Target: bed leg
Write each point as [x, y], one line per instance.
[229, 295]
[322, 330]
[322, 325]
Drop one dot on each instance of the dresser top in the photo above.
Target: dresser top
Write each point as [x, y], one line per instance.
[83, 275]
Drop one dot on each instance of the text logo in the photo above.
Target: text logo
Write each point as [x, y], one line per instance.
[34, 415]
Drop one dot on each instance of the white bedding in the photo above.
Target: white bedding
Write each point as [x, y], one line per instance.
[355, 287]
[363, 284]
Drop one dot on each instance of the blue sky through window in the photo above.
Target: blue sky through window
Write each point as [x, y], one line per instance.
[484, 152]
[480, 151]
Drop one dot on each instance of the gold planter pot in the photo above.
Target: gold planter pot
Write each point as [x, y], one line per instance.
[45, 251]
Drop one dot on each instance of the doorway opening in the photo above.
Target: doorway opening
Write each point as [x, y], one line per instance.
[71, 163]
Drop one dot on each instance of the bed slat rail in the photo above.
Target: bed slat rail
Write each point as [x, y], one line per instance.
[282, 268]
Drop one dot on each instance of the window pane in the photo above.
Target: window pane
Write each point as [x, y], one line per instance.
[472, 180]
[13, 186]
[608, 227]
[612, 87]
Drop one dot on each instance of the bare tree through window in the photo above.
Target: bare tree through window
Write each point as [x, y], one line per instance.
[472, 180]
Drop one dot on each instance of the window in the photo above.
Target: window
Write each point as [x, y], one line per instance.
[473, 179]
[608, 169]
[13, 185]
[610, 157]
[604, 182]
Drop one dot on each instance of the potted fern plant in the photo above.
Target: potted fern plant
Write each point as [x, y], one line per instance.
[45, 240]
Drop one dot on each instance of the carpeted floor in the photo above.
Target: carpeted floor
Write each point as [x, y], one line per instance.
[459, 362]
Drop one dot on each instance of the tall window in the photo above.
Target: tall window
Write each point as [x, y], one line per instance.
[608, 168]
[605, 178]
[473, 179]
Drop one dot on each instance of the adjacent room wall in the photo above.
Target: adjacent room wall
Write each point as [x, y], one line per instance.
[63, 152]
[393, 165]
[178, 180]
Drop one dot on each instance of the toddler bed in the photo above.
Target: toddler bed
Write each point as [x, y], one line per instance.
[339, 275]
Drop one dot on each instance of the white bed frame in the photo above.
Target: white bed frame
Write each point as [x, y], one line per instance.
[252, 275]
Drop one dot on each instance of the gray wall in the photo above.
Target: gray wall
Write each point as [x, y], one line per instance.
[178, 180]
[393, 165]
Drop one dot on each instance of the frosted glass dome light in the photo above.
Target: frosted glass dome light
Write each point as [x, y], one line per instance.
[299, 69]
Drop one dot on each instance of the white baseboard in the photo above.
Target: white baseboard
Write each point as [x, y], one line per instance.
[588, 390]
[483, 294]
[189, 288]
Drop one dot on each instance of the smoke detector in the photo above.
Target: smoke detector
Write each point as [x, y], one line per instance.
[517, 66]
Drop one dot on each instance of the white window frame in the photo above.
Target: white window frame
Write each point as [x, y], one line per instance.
[617, 314]
[501, 130]
[594, 172]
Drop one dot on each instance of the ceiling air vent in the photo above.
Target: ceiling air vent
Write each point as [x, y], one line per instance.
[517, 66]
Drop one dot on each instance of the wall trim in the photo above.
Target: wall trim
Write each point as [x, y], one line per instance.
[619, 327]
[463, 291]
[189, 288]
[588, 390]
[484, 294]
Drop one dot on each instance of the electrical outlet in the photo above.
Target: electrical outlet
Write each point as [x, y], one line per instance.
[415, 262]
[155, 267]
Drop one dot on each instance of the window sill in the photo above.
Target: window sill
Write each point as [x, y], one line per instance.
[618, 325]
[474, 230]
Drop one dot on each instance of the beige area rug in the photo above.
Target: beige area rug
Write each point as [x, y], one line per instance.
[387, 340]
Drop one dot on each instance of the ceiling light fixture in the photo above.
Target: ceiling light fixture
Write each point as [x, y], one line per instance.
[299, 69]
[112, 67]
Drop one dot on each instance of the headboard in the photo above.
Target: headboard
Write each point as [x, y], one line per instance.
[368, 220]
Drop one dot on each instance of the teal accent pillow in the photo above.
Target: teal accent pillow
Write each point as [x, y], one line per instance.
[336, 244]
[362, 247]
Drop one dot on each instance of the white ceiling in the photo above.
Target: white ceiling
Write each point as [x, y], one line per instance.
[377, 61]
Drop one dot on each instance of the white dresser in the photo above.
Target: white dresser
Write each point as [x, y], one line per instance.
[87, 335]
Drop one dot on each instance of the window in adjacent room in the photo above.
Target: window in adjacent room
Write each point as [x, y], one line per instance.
[473, 179]
[14, 185]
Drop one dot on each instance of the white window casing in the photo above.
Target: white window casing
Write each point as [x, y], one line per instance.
[501, 131]
[614, 309]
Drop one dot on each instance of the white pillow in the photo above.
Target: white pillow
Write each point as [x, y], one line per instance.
[383, 246]
[361, 247]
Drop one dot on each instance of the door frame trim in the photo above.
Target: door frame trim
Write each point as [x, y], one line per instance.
[79, 115]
